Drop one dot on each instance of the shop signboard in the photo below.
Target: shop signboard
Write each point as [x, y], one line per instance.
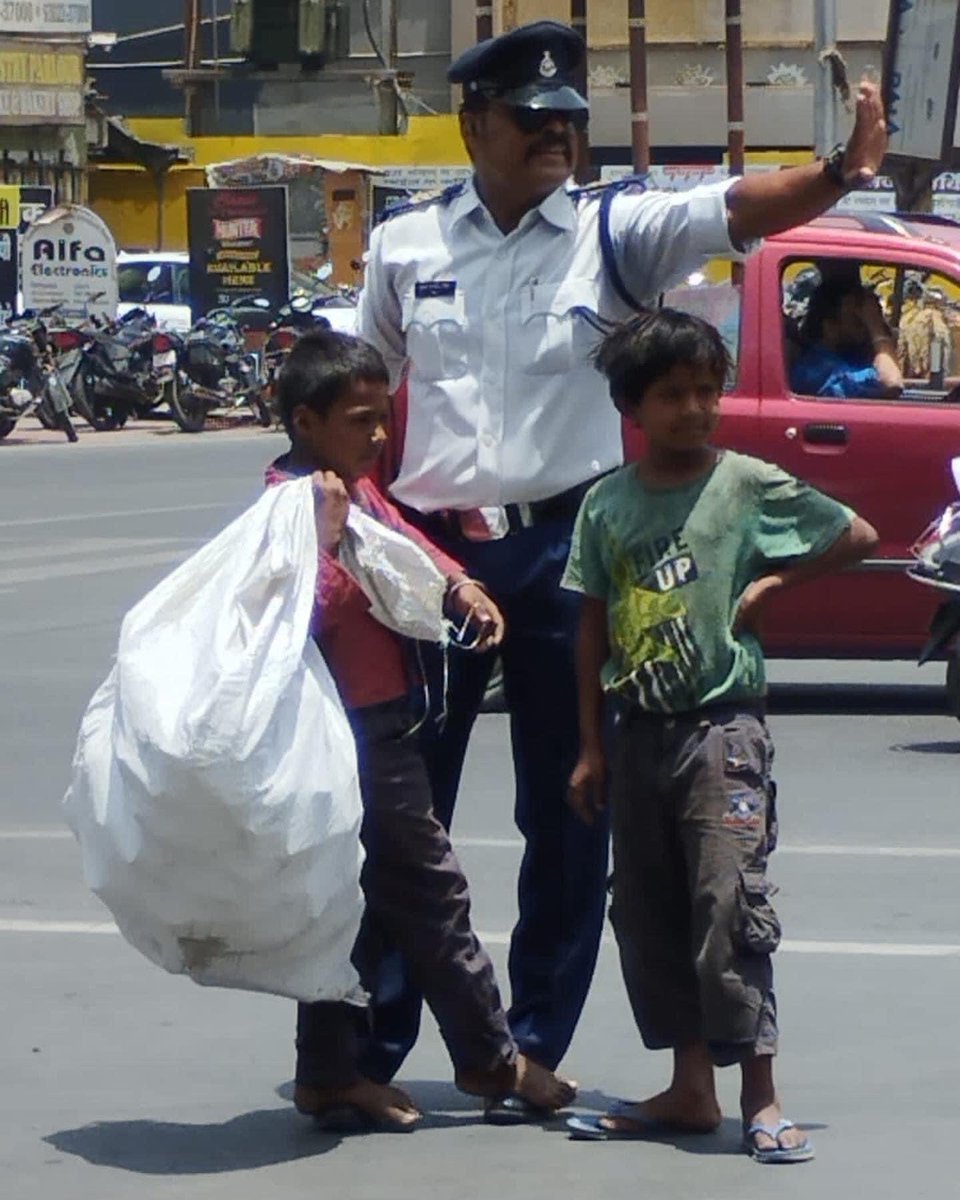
[60, 18]
[20, 206]
[238, 246]
[41, 83]
[69, 258]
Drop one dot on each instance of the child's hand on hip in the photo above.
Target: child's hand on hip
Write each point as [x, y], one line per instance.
[750, 610]
[586, 791]
[481, 620]
[332, 503]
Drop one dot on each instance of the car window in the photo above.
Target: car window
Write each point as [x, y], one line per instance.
[181, 283]
[145, 282]
[717, 303]
[921, 308]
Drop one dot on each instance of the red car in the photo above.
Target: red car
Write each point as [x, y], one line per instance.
[888, 459]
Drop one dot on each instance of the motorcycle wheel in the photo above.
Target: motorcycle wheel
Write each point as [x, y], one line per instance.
[98, 417]
[953, 683]
[261, 408]
[188, 408]
[51, 417]
[46, 416]
[7, 425]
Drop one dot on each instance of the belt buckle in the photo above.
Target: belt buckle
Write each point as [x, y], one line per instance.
[483, 524]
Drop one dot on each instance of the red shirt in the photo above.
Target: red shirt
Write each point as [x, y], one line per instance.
[367, 660]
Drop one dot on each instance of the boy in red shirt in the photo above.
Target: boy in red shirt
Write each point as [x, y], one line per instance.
[335, 406]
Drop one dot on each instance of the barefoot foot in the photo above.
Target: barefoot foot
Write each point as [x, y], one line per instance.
[385, 1107]
[541, 1088]
[674, 1110]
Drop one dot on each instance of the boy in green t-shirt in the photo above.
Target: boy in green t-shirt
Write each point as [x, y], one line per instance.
[676, 556]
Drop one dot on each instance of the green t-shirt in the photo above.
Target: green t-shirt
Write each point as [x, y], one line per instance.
[672, 564]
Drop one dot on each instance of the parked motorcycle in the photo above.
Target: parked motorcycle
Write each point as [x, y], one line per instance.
[31, 382]
[128, 368]
[301, 315]
[937, 564]
[216, 371]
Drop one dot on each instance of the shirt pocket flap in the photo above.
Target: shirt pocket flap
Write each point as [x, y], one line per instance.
[429, 311]
[559, 299]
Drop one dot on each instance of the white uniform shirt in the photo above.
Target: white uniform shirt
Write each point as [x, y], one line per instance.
[497, 330]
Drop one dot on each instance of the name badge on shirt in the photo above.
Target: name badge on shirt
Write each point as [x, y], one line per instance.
[431, 289]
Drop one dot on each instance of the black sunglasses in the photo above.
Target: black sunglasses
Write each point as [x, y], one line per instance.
[536, 120]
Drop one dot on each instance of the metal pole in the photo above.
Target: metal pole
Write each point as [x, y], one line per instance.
[388, 38]
[215, 34]
[825, 109]
[578, 21]
[484, 20]
[639, 116]
[191, 54]
[735, 124]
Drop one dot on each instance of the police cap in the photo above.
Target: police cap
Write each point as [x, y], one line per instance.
[532, 66]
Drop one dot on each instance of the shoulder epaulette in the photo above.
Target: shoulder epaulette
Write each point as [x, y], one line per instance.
[443, 196]
[610, 187]
[606, 193]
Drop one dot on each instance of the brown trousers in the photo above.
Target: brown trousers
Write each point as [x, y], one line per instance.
[694, 819]
[417, 900]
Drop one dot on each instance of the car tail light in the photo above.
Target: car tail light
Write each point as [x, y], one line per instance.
[66, 339]
[162, 343]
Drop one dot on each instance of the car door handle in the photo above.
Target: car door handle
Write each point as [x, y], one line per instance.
[826, 435]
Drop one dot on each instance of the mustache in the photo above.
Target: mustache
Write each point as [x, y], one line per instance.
[554, 141]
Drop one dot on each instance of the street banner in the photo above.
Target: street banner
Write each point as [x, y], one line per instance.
[69, 258]
[238, 246]
[21, 205]
[402, 185]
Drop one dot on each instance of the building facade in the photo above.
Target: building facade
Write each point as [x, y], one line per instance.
[43, 124]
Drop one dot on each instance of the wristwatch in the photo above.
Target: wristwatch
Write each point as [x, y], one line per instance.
[832, 164]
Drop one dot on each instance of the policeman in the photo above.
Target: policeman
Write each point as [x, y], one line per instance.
[491, 298]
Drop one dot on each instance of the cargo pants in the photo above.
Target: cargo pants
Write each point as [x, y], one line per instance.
[694, 821]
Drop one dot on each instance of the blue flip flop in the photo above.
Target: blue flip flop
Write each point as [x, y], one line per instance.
[776, 1154]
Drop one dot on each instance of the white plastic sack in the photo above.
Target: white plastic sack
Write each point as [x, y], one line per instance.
[214, 790]
[405, 589]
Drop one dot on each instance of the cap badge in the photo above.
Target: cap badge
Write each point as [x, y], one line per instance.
[548, 68]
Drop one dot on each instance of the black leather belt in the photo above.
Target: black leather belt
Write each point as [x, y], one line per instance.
[562, 507]
[491, 524]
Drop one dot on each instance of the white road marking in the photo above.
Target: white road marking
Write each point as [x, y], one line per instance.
[856, 949]
[89, 548]
[66, 570]
[491, 843]
[21, 522]
[833, 850]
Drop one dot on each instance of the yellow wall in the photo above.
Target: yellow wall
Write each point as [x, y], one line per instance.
[125, 196]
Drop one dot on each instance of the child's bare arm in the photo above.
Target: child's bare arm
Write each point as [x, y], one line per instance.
[853, 545]
[587, 783]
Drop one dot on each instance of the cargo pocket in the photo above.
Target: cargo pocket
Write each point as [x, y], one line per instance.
[758, 924]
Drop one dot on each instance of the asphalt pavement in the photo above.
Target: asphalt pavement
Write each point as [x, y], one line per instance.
[117, 1080]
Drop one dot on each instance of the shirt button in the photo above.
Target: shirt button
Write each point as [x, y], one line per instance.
[488, 440]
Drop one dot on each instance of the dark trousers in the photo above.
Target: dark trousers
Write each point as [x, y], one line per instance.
[561, 889]
[694, 820]
[417, 900]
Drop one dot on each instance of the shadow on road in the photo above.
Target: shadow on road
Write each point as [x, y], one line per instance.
[255, 1139]
[928, 747]
[815, 699]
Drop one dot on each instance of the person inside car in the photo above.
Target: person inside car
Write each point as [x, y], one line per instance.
[849, 349]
